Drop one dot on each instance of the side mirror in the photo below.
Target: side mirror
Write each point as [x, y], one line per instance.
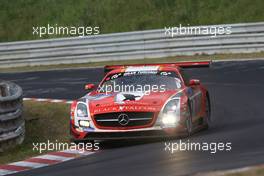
[194, 82]
[89, 86]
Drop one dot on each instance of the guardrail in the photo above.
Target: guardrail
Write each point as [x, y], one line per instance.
[12, 124]
[245, 38]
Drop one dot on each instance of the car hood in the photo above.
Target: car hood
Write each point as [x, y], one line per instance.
[127, 102]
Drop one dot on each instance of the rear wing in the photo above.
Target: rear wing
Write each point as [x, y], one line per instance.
[109, 68]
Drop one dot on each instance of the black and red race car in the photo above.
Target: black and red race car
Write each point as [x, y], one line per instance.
[142, 100]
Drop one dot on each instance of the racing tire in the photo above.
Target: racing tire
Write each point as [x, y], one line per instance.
[207, 118]
[189, 124]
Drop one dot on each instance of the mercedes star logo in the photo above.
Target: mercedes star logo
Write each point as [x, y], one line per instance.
[123, 119]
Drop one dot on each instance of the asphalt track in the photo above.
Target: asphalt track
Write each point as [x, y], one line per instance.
[237, 107]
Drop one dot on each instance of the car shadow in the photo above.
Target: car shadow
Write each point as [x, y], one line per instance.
[112, 144]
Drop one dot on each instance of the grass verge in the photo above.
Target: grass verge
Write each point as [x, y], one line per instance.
[150, 60]
[44, 121]
[17, 17]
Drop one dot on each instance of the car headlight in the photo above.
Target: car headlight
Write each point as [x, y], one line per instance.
[84, 123]
[171, 106]
[82, 110]
[169, 119]
[170, 113]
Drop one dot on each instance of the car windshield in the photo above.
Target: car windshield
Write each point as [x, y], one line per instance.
[141, 82]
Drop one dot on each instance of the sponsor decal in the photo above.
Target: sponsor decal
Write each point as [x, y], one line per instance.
[124, 108]
[131, 96]
[142, 69]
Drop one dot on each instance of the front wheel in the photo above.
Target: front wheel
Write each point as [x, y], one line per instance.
[207, 117]
[189, 125]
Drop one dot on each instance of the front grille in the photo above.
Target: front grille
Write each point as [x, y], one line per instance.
[113, 119]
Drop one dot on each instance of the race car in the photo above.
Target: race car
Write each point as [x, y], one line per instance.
[142, 101]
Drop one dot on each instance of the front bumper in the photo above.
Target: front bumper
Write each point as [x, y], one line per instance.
[152, 132]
